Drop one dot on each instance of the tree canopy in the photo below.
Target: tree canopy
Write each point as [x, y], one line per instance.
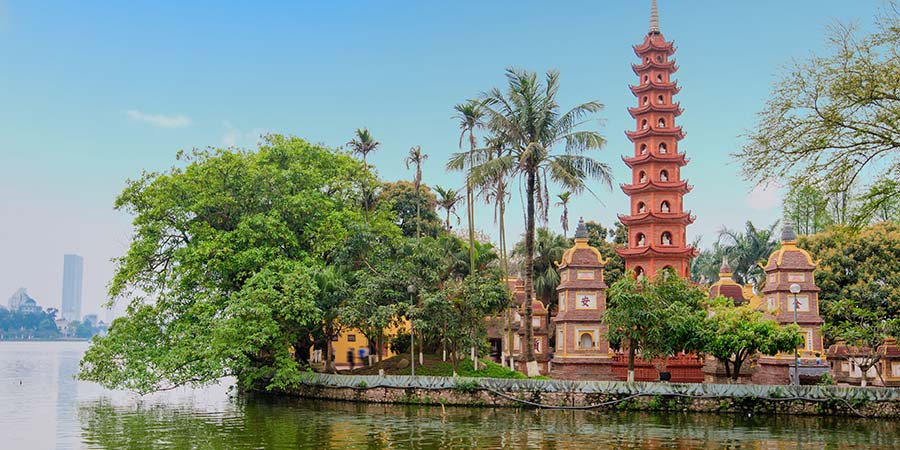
[832, 118]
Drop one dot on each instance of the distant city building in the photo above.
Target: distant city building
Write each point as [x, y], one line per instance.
[21, 302]
[73, 270]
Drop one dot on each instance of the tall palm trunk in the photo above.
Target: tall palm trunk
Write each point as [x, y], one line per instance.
[365, 190]
[530, 363]
[470, 199]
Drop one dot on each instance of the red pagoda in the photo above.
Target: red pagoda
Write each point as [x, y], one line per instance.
[657, 221]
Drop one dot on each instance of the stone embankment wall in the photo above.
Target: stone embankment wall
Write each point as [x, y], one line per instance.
[588, 395]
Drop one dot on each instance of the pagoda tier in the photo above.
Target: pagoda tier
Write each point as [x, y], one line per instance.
[657, 221]
[655, 86]
[658, 250]
[674, 108]
[654, 45]
[684, 218]
[676, 133]
[679, 187]
[678, 159]
[652, 64]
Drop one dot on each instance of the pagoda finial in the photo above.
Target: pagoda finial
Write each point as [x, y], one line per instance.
[654, 18]
[724, 268]
[581, 231]
[787, 232]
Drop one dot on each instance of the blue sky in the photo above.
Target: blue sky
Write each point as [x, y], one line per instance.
[92, 93]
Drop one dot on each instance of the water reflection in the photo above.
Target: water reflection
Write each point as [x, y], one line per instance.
[43, 406]
[266, 422]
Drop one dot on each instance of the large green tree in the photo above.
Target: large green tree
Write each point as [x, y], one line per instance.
[222, 274]
[413, 212]
[732, 334]
[832, 117]
[654, 318]
[529, 119]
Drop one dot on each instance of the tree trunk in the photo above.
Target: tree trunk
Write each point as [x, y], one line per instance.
[528, 344]
[630, 360]
[736, 376]
[329, 365]
[470, 198]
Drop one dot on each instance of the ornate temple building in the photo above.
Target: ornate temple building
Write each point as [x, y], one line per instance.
[657, 220]
[787, 267]
[582, 351]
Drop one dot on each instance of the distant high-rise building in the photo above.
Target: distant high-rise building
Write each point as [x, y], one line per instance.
[73, 270]
[18, 299]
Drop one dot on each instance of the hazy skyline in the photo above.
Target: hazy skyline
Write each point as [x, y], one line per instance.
[92, 93]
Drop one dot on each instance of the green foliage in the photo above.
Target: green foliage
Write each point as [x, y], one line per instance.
[859, 266]
[526, 121]
[400, 343]
[597, 238]
[466, 386]
[748, 251]
[832, 119]
[16, 325]
[401, 198]
[548, 250]
[655, 318]
[806, 207]
[733, 334]
[224, 270]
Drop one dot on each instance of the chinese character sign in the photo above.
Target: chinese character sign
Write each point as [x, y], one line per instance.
[587, 301]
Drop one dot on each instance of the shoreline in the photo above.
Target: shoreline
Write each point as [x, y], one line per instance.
[602, 395]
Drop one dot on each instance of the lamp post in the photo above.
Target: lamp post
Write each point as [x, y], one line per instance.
[411, 290]
[795, 289]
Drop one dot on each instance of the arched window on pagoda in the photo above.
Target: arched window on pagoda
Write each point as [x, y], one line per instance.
[645, 101]
[662, 148]
[666, 238]
[641, 208]
[659, 58]
[639, 271]
[661, 123]
[642, 177]
[646, 78]
[659, 78]
[647, 59]
[644, 124]
[643, 149]
[586, 341]
[660, 100]
[641, 240]
[664, 207]
[663, 175]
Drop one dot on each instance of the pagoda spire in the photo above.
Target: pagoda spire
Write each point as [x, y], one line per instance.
[654, 18]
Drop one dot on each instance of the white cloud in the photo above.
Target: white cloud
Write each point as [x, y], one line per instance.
[764, 196]
[235, 137]
[159, 120]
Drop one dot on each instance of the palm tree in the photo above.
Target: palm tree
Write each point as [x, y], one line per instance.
[528, 118]
[748, 250]
[447, 199]
[471, 116]
[416, 157]
[564, 218]
[548, 250]
[363, 144]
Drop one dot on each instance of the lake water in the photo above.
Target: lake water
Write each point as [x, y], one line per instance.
[43, 407]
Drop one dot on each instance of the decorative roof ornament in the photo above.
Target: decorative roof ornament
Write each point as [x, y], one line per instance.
[725, 268]
[654, 18]
[581, 230]
[787, 232]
